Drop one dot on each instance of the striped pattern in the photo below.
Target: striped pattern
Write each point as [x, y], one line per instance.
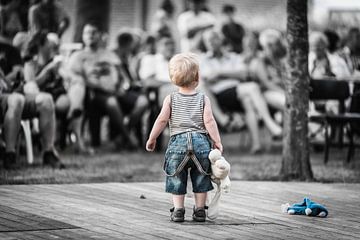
[187, 113]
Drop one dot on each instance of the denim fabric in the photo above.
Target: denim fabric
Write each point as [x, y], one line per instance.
[174, 155]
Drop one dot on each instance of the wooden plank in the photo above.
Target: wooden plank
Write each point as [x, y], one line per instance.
[250, 211]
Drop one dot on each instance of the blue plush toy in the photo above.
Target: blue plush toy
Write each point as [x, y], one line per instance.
[306, 207]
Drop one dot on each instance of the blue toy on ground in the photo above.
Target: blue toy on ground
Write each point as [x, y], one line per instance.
[306, 207]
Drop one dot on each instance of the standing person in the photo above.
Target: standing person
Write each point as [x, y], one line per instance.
[162, 23]
[233, 31]
[13, 17]
[48, 16]
[192, 23]
[192, 125]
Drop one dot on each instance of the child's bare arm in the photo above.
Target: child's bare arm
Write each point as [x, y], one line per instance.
[159, 125]
[211, 126]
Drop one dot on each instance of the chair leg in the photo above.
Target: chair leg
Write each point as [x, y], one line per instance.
[327, 143]
[25, 124]
[351, 146]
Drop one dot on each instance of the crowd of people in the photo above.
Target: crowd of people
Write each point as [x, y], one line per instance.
[241, 71]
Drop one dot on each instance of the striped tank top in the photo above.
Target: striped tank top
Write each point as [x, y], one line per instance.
[187, 113]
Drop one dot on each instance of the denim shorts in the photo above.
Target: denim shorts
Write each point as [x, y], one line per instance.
[175, 154]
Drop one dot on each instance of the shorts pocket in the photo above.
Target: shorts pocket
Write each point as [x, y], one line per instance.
[172, 161]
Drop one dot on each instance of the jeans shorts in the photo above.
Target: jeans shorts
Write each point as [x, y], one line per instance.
[174, 155]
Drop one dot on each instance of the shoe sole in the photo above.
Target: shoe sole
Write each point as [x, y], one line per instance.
[177, 219]
[199, 219]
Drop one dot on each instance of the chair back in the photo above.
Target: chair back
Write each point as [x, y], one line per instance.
[329, 89]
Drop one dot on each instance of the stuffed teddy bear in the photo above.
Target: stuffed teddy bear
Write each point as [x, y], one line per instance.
[306, 207]
[220, 169]
[220, 175]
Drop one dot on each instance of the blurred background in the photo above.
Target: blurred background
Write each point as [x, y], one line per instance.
[82, 82]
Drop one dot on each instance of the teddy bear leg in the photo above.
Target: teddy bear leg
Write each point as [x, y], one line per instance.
[296, 210]
[308, 211]
[322, 214]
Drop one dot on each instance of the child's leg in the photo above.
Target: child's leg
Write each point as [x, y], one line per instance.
[200, 199]
[178, 200]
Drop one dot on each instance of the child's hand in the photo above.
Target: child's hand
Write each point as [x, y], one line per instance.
[218, 146]
[150, 145]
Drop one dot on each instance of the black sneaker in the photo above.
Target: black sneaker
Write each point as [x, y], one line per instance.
[177, 214]
[199, 214]
[10, 160]
[51, 158]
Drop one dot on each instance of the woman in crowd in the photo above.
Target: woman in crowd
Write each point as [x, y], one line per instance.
[41, 69]
[225, 76]
[269, 68]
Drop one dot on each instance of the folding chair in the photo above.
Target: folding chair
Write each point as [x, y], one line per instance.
[24, 134]
[330, 89]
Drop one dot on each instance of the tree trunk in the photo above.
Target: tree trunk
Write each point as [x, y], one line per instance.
[95, 11]
[296, 159]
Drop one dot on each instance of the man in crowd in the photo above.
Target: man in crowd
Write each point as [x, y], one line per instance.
[95, 70]
[193, 23]
[40, 106]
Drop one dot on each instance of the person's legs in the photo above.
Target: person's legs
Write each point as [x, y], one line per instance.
[252, 90]
[135, 118]
[116, 117]
[12, 119]
[221, 118]
[62, 104]
[252, 123]
[47, 123]
[275, 99]
[178, 200]
[42, 106]
[141, 105]
[200, 199]
[76, 95]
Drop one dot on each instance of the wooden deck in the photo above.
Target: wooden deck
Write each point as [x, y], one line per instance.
[140, 211]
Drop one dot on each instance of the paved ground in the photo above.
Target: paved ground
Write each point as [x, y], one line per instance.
[140, 211]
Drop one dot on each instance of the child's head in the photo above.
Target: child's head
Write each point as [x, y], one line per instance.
[184, 70]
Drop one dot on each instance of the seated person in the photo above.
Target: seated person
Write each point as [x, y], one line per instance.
[323, 64]
[94, 71]
[40, 106]
[351, 51]
[41, 70]
[42, 73]
[153, 68]
[133, 102]
[269, 68]
[224, 75]
[192, 23]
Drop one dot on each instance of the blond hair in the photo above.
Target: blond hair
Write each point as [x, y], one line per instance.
[269, 36]
[184, 69]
